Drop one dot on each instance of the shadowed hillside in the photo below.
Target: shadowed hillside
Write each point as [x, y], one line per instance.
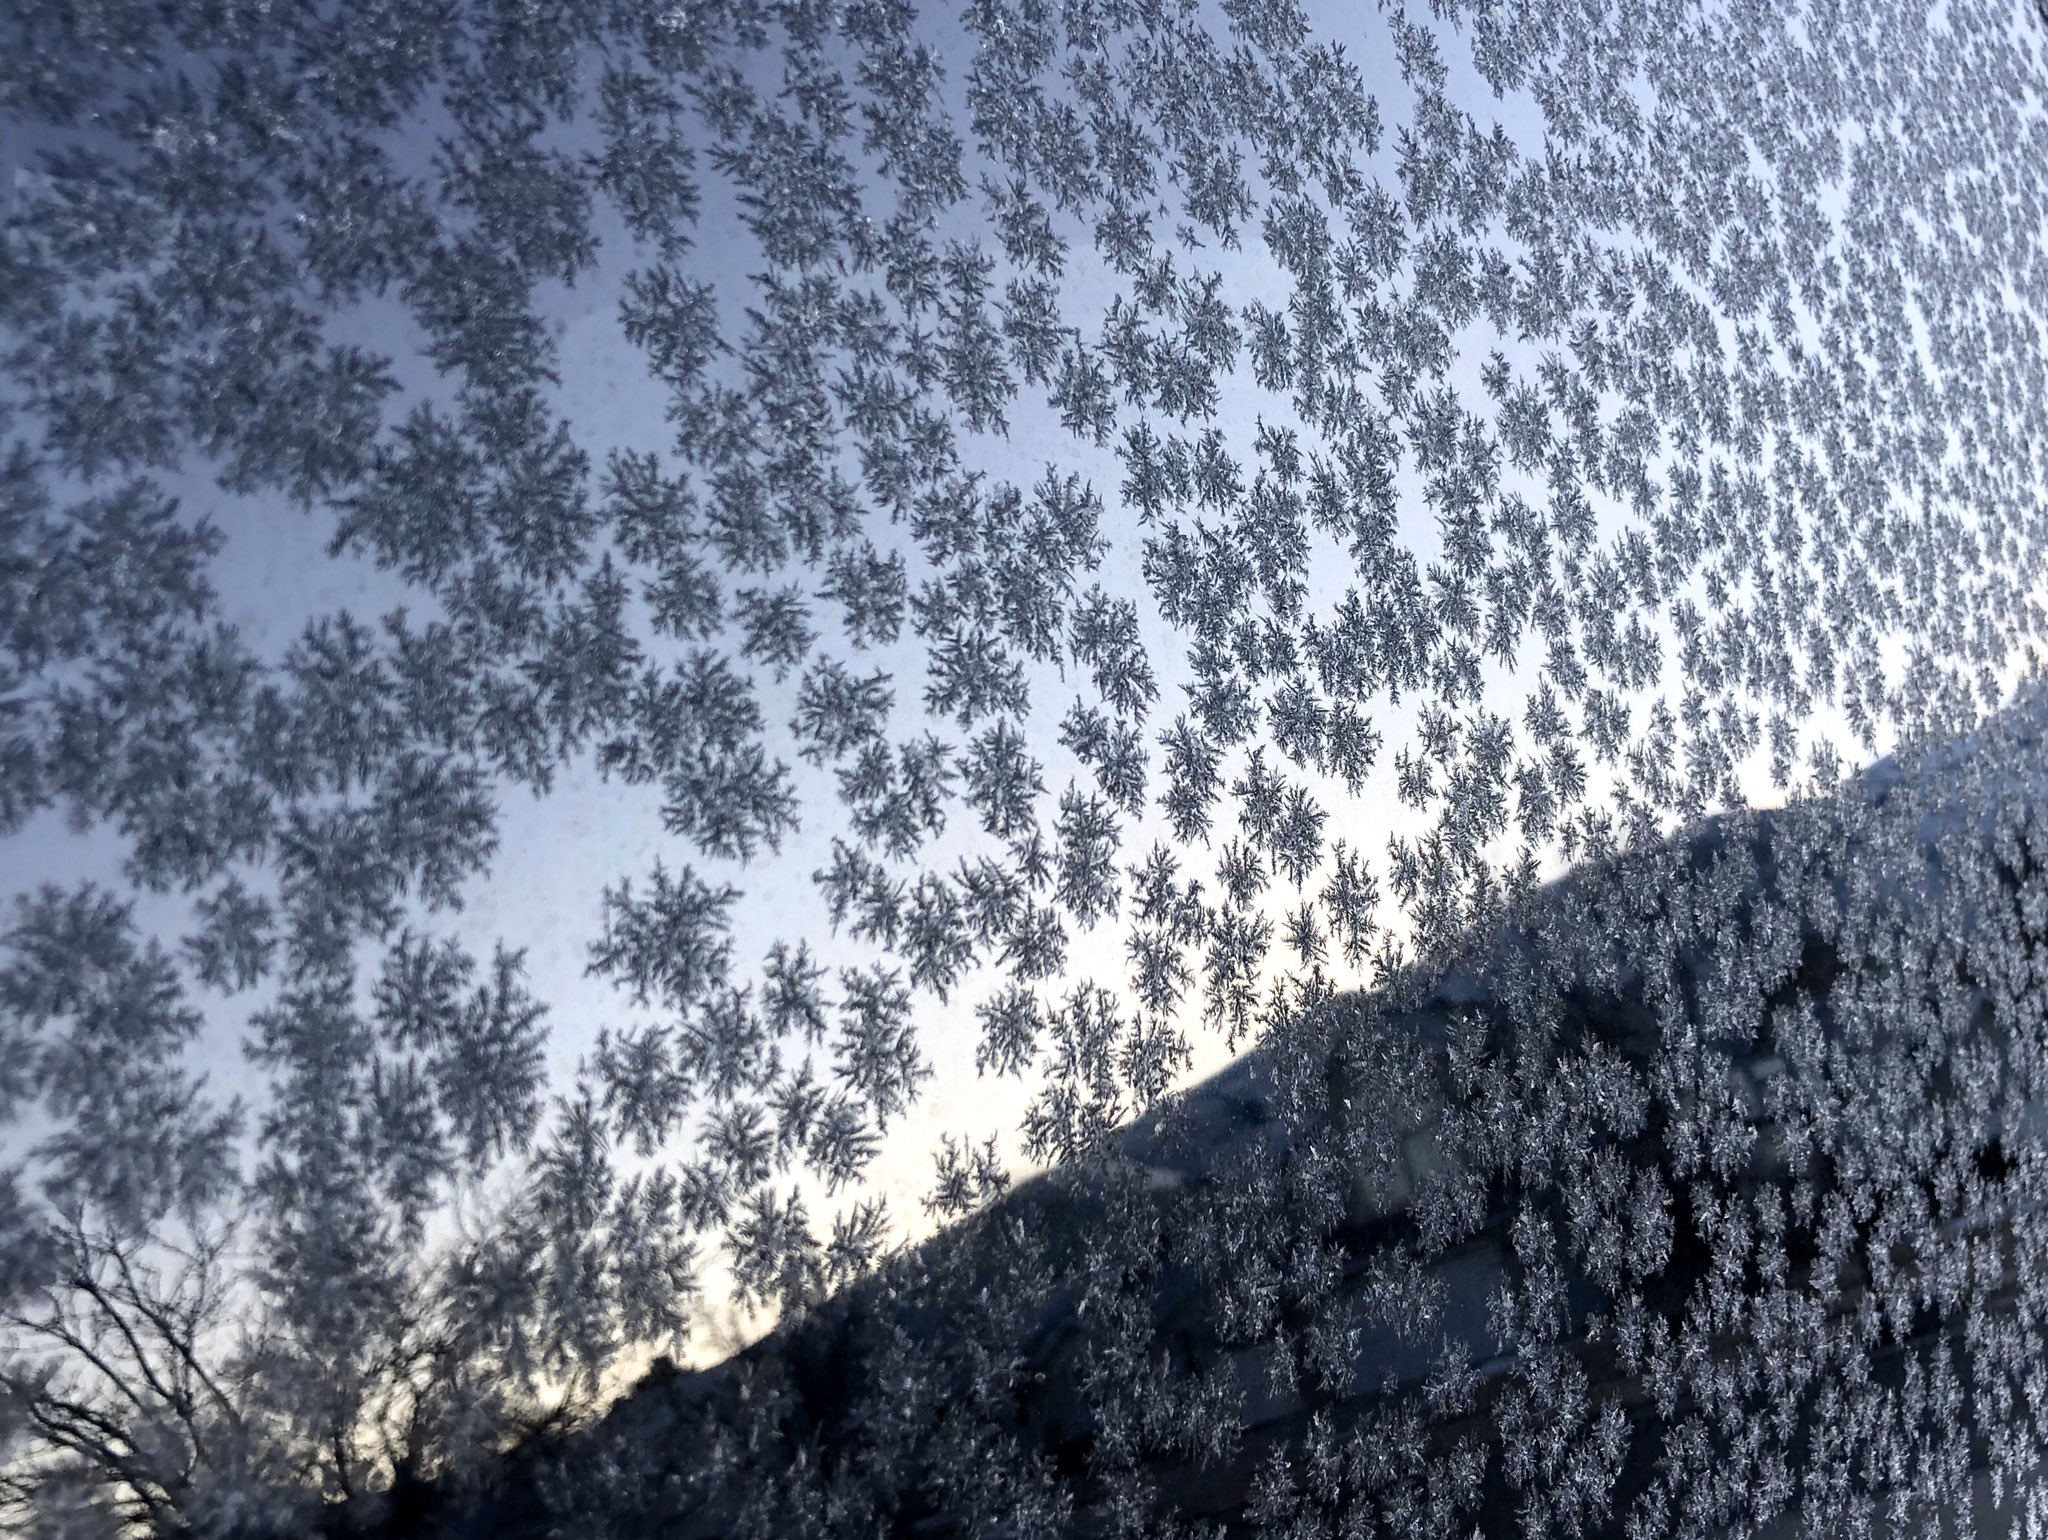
[1708, 1186]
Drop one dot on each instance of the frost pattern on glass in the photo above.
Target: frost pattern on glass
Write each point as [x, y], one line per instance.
[1356, 547]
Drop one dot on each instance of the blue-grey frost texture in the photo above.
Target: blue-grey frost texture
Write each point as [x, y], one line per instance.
[1365, 680]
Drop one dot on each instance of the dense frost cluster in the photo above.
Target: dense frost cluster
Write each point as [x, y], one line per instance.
[1704, 1197]
[1175, 526]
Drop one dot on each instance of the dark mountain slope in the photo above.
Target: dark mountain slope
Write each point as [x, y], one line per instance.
[1703, 1193]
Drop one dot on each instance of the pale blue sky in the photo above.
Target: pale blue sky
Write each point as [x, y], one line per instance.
[557, 855]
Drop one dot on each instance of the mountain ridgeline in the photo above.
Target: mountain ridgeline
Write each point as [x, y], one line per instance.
[1706, 1191]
